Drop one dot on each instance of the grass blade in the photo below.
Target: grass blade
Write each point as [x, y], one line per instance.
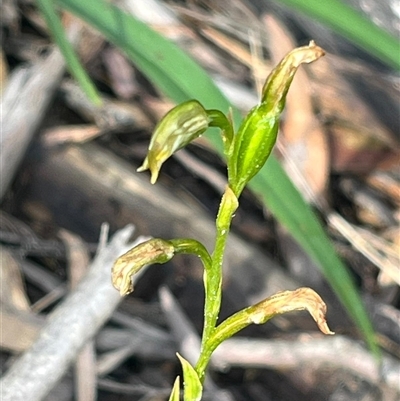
[74, 66]
[353, 26]
[180, 78]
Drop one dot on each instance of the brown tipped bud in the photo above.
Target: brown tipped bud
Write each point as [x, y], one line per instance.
[152, 251]
[257, 134]
[287, 301]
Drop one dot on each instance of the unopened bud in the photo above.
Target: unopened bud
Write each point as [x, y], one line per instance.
[257, 134]
[152, 251]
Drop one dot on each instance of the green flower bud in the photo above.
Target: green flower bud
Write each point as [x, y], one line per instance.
[180, 126]
[152, 251]
[253, 145]
[278, 82]
[258, 132]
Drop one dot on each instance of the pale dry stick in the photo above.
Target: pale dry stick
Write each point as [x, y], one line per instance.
[49, 299]
[85, 382]
[237, 50]
[69, 327]
[356, 239]
[382, 245]
[20, 116]
[335, 352]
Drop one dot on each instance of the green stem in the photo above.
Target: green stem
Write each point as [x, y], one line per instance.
[213, 278]
[192, 246]
[225, 330]
[220, 120]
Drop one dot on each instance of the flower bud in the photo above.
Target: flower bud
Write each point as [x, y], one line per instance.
[152, 251]
[180, 126]
[277, 304]
[253, 145]
[257, 134]
[287, 301]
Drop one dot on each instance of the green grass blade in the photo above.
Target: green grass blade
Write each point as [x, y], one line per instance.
[147, 48]
[74, 66]
[353, 26]
[180, 78]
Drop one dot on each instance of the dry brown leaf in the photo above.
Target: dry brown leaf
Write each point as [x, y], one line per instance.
[77, 254]
[85, 365]
[19, 326]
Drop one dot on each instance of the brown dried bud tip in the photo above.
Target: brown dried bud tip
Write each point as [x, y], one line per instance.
[288, 301]
[153, 251]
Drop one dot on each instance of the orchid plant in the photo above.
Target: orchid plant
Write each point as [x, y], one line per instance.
[246, 152]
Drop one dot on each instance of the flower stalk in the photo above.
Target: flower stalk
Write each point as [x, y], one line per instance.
[246, 152]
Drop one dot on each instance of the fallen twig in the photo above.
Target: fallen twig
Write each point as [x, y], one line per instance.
[68, 328]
